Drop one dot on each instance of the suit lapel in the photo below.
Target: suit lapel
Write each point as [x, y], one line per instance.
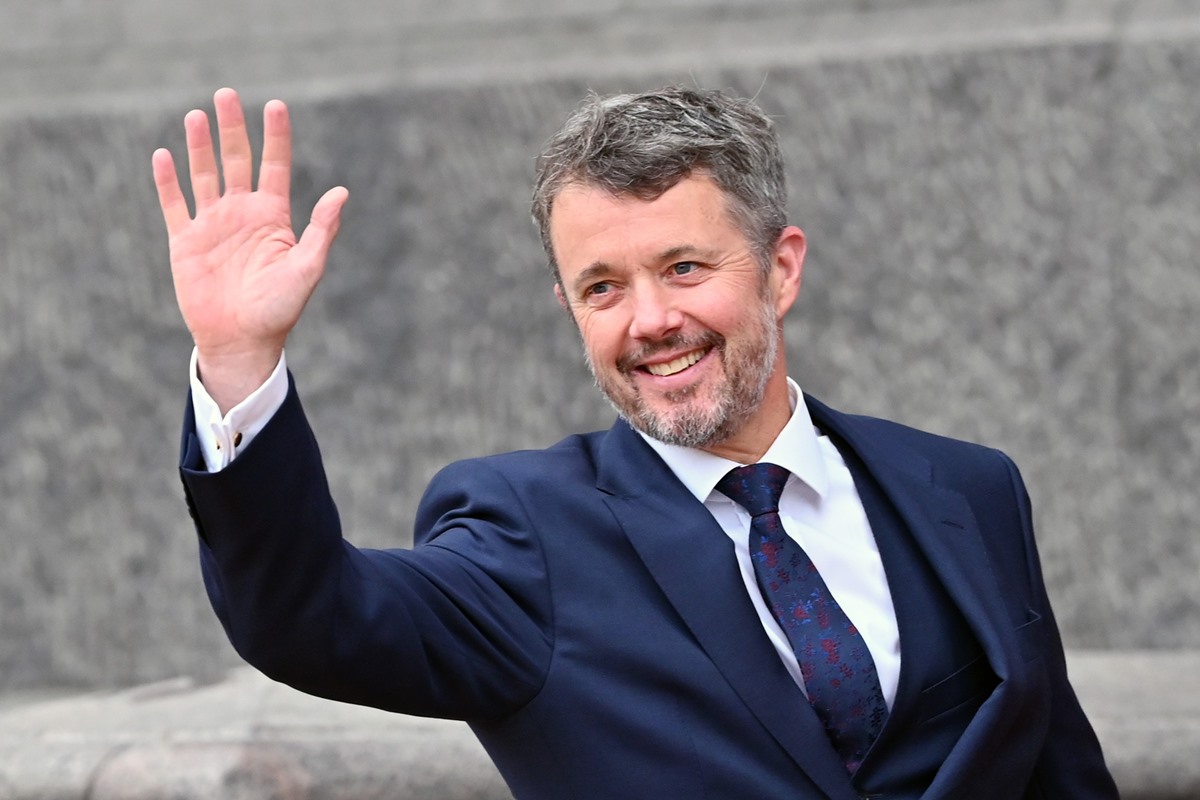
[943, 525]
[693, 562]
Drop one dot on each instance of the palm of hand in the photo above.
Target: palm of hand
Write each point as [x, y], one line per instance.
[236, 271]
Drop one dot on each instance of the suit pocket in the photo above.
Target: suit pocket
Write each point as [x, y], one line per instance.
[1029, 637]
[972, 682]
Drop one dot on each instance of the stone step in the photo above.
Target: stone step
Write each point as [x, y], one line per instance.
[245, 737]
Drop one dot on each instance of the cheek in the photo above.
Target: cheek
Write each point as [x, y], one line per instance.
[719, 317]
[601, 338]
[722, 305]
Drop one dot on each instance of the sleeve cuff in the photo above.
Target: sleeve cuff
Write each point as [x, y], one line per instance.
[222, 438]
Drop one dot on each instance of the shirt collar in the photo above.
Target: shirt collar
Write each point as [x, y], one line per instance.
[795, 449]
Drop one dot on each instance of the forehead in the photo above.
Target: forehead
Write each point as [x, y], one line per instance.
[589, 223]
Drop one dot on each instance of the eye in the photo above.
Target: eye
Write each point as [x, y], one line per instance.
[598, 294]
[684, 268]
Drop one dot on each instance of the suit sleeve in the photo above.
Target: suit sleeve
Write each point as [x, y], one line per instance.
[456, 627]
[1071, 765]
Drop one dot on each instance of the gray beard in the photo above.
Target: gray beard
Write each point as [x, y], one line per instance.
[707, 427]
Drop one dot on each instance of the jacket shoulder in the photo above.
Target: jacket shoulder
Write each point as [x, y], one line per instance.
[954, 462]
[921, 440]
[571, 459]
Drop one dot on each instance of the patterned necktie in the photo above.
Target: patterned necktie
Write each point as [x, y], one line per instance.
[839, 674]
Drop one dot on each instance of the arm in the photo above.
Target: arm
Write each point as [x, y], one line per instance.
[459, 627]
[435, 631]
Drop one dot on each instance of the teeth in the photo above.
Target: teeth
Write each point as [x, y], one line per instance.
[678, 365]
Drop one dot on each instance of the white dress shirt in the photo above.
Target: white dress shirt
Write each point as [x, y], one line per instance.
[820, 508]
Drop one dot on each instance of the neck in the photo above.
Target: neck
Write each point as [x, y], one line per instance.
[760, 431]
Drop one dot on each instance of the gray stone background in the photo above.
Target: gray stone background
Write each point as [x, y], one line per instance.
[1002, 200]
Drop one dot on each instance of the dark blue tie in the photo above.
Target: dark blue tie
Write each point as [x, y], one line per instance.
[839, 674]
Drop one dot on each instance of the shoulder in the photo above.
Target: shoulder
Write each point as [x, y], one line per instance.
[954, 462]
[890, 431]
[511, 489]
[571, 460]
[933, 445]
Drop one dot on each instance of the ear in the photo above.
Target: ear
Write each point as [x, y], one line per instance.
[786, 269]
[562, 302]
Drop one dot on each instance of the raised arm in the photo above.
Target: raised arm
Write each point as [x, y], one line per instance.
[241, 276]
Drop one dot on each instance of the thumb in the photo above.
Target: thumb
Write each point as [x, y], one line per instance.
[323, 227]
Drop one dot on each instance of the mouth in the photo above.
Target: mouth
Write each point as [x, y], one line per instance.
[676, 365]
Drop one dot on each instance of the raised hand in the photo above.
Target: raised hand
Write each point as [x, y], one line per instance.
[241, 277]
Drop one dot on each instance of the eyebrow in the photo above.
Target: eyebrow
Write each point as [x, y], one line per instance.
[596, 270]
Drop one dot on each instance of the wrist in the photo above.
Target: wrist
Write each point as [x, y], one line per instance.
[230, 376]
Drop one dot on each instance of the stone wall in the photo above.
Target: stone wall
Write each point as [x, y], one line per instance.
[1002, 202]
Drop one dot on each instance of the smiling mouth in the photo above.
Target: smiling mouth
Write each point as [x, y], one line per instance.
[677, 365]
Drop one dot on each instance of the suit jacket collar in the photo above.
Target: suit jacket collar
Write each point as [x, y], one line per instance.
[940, 519]
[943, 525]
[663, 520]
[693, 562]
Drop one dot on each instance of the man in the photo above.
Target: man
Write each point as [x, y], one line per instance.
[735, 592]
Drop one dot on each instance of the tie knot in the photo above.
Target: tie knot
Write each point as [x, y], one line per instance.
[755, 488]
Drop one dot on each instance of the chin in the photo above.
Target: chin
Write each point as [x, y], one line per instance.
[696, 429]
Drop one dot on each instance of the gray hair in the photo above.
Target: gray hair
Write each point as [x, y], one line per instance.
[641, 145]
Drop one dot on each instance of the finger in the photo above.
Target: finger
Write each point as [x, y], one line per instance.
[318, 236]
[170, 196]
[202, 163]
[236, 164]
[275, 176]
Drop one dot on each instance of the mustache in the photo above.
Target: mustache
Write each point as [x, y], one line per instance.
[676, 341]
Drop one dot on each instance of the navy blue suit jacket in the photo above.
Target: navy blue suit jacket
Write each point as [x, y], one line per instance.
[584, 613]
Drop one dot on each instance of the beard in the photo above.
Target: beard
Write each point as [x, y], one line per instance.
[701, 415]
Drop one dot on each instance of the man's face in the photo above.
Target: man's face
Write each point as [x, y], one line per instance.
[678, 319]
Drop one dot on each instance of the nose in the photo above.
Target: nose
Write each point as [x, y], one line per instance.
[655, 313]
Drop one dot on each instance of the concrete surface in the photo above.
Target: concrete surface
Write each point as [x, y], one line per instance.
[1002, 201]
[242, 737]
[245, 737]
[71, 54]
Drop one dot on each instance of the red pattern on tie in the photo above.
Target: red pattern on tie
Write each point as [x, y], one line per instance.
[838, 671]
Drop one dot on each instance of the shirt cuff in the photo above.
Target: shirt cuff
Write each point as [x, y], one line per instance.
[222, 438]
